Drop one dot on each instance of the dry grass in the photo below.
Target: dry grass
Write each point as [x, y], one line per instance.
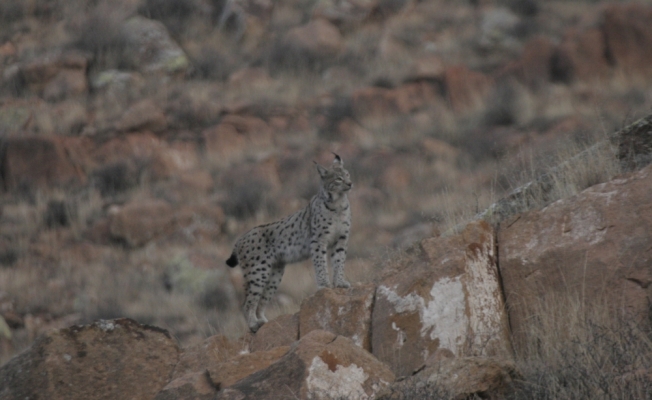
[582, 351]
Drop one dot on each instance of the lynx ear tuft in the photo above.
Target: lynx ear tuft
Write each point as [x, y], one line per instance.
[338, 159]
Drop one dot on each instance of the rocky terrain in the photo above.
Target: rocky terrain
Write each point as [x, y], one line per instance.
[139, 138]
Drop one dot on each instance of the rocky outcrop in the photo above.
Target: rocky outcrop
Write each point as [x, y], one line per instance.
[593, 247]
[105, 360]
[345, 312]
[446, 297]
[456, 378]
[320, 365]
[281, 331]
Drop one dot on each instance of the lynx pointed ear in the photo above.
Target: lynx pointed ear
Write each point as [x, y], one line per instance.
[338, 160]
[322, 171]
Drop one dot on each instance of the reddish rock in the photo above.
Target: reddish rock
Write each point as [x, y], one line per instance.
[212, 351]
[582, 55]
[446, 295]
[344, 312]
[56, 76]
[594, 246]
[281, 331]
[144, 115]
[458, 378]
[411, 97]
[318, 38]
[534, 67]
[231, 371]
[139, 222]
[466, 89]
[195, 386]
[319, 366]
[237, 137]
[38, 162]
[628, 34]
[113, 359]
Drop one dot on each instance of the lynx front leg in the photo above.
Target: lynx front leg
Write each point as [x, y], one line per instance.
[338, 258]
[318, 255]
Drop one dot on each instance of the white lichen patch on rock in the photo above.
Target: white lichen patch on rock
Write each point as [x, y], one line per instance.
[344, 382]
[443, 317]
[487, 318]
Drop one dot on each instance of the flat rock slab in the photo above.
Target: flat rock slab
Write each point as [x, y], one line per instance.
[595, 248]
[444, 298]
[320, 365]
[109, 359]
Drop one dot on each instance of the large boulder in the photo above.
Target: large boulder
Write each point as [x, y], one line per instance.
[229, 372]
[212, 351]
[281, 331]
[113, 359]
[345, 312]
[593, 247]
[445, 298]
[319, 366]
[237, 137]
[150, 47]
[318, 38]
[456, 378]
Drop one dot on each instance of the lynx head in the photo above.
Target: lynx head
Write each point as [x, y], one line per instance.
[335, 179]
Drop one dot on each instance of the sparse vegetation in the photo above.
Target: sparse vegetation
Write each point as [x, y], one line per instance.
[415, 160]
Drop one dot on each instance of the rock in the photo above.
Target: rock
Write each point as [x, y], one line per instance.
[593, 247]
[67, 83]
[465, 89]
[56, 76]
[344, 312]
[237, 137]
[281, 331]
[231, 371]
[582, 55]
[628, 34]
[373, 105]
[445, 296]
[534, 66]
[139, 222]
[319, 366]
[150, 47]
[318, 38]
[38, 162]
[195, 386]
[212, 351]
[349, 11]
[457, 378]
[428, 67]
[144, 115]
[250, 78]
[108, 359]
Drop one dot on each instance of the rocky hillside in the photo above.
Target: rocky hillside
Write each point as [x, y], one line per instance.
[139, 138]
[456, 317]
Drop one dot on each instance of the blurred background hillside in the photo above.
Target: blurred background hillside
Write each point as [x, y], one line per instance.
[140, 138]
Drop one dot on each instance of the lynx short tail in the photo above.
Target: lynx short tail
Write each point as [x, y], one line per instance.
[232, 261]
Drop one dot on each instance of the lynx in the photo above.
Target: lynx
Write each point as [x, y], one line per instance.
[321, 228]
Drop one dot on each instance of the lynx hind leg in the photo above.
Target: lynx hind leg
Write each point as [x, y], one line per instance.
[276, 275]
[256, 281]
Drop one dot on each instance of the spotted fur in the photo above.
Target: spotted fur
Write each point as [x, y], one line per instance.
[322, 228]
